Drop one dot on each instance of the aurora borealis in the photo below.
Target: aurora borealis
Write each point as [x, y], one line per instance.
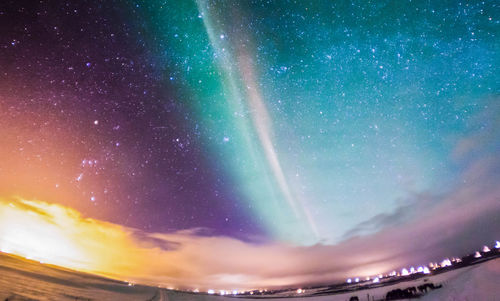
[307, 124]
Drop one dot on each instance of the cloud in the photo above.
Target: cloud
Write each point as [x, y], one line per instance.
[459, 222]
[426, 228]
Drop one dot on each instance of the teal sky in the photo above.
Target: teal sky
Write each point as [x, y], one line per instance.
[362, 103]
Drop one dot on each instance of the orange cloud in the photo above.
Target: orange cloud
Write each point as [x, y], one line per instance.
[430, 229]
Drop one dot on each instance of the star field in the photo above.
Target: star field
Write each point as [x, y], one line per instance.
[294, 121]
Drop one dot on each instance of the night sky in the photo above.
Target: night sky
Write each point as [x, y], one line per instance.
[292, 121]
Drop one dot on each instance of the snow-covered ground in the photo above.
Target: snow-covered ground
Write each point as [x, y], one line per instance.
[481, 282]
[22, 280]
[27, 280]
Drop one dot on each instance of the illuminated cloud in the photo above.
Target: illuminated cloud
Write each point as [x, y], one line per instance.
[186, 259]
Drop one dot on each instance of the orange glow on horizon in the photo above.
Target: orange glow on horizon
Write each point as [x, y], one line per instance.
[26, 230]
[58, 235]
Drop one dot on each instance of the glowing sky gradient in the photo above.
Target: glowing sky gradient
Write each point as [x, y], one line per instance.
[290, 122]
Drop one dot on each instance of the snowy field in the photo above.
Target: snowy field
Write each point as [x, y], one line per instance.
[20, 280]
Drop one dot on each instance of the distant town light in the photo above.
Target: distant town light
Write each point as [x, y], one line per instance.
[235, 292]
[426, 270]
[376, 280]
[486, 249]
[420, 269]
[404, 272]
[300, 291]
[477, 254]
[211, 292]
[356, 280]
[497, 244]
[445, 263]
[349, 280]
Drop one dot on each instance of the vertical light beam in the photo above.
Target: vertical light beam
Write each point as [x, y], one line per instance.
[258, 111]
